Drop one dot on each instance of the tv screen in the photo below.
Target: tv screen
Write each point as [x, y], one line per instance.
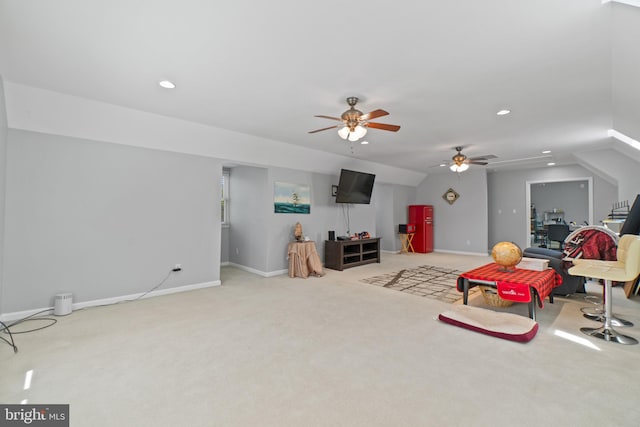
[355, 187]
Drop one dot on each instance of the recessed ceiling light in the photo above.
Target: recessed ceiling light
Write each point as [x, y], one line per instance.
[546, 151]
[167, 84]
[364, 142]
[503, 112]
[443, 165]
[551, 164]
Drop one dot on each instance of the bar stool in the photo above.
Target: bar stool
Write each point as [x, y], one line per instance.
[625, 268]
[573, 245]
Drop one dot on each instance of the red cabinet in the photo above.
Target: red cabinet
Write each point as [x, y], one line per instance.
[422, 217]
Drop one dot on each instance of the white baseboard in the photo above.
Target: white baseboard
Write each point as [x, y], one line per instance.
[462, 253]
[258, 272]
[276, 273]
[16, 315]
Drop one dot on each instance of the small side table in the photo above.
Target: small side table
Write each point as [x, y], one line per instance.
[304, 260]
[405, 241]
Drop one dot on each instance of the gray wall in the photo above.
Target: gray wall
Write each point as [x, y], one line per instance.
[391, 210]
[224, 245]
[323, 216]
[248, 210]
[3, 165]
[461, 227]
[224, 232]
[507, 193]
[258, 237]
[105, 220]
[570, 197]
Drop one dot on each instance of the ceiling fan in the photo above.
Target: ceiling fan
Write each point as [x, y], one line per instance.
[354, 123]
[460, 162]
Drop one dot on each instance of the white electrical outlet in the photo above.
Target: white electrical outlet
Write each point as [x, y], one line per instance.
[178, 266]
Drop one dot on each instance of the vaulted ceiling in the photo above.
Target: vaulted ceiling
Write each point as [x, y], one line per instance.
[441, 69]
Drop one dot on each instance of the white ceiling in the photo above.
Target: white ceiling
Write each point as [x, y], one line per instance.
[441, 69]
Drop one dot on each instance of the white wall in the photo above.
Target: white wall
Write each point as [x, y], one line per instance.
[622, 168]
[104, 220]
[626, 69]
[39, 110]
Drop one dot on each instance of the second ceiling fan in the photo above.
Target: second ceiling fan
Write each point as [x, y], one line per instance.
[354, 123]
[460, 162]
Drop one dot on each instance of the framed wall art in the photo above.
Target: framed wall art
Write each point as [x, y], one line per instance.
[291, 198]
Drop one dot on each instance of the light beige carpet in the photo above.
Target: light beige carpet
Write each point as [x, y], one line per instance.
[424, 281]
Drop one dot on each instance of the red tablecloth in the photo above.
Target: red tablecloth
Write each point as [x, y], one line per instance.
[514, 286]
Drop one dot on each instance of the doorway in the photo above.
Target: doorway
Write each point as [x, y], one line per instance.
[567, 201]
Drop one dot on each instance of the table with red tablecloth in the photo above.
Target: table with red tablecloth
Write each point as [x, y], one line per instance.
[519, 285]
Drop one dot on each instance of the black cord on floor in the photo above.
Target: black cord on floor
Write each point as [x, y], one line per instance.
[6, 329]
[50, 319]
[155, 287]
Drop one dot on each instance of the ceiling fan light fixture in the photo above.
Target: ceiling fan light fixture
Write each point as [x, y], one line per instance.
[353, 137]
[354, 124]
[459, 168]
[360, 131]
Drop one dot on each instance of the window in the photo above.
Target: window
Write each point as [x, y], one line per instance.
[224, 197]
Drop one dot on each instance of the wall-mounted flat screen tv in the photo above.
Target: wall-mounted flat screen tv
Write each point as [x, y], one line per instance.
[355, 187]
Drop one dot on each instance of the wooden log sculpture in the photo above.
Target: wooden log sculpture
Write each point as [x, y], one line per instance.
[297, 233]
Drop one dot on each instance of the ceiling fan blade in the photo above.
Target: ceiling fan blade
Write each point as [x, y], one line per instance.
[383, 126]
[320, 130]
[485, 157]
[374, 114]
[329, 117]
[476, 162]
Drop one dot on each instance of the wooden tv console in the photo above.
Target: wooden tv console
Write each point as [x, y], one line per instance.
[341, 254]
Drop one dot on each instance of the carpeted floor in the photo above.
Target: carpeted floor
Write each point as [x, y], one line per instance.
[424, 281]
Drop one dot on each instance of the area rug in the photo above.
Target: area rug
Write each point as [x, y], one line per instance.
[425, 281]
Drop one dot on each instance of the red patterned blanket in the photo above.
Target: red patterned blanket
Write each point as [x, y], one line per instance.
[590, 243]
